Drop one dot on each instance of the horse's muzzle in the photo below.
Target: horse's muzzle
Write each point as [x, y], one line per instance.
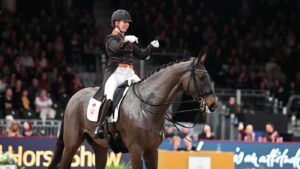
[213, 107]
[211, 103]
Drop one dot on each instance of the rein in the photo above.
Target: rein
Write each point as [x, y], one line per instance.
[167, 117]
[198, 98]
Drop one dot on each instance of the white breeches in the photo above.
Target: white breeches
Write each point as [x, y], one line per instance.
[117, 78]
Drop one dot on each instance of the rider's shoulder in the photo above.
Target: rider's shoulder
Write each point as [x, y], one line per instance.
[113, 37]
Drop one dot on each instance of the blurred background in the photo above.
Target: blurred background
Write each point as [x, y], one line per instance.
[51, 49]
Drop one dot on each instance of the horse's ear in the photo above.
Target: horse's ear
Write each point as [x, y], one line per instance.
[201, 58]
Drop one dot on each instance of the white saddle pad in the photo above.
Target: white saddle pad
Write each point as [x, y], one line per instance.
[93, 110]
[94, 106]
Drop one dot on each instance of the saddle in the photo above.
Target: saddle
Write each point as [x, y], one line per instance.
[118, 94]
[113, 136]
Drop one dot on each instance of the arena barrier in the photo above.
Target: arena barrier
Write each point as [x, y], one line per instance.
[195, 160]
[39, 127]
[36, 153]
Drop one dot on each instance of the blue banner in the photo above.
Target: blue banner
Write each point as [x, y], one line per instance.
[37, 152]
[254, 155]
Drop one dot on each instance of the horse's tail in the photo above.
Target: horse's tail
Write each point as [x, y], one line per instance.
[59, 148]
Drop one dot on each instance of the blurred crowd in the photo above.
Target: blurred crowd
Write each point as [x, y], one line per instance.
[251, 44]
[182, 138]
[40, 59]
[14, 129]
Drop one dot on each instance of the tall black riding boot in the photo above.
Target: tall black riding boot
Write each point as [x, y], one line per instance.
[99, 131]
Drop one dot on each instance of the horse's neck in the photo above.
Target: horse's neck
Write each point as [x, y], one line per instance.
[163, 86]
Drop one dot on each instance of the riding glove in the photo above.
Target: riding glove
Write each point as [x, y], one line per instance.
[131, 39]
[155, 43]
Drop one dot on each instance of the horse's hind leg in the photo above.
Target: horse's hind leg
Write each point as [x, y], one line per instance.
[72, 144]
[151, 158]
[100, 154]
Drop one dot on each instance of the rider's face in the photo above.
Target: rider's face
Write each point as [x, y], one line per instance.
[123, 25]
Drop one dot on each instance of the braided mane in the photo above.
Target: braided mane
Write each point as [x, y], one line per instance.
[163, 67]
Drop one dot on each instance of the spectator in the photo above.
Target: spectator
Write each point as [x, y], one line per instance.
[89, 58]
[27, 60]
[206, 134]
[247, 134]
[14, 130]
[25, 100]
[69, 79]
[43, 105]
[271, 134]
[3, 84]
[56, 84]
[77, 83]
[44, 82]
[8, 105]
[43, 62]
[27, 132]
[26, 108]
[58, 45]
[17, 89]
[61, 101]
[34, 88]
[185, 137]
[169, 133]
[75, 48]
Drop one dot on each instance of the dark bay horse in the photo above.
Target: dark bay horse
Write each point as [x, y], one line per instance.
[141, 131]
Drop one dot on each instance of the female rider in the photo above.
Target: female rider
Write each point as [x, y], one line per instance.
[121, 51]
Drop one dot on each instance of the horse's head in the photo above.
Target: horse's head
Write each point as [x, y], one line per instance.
[198, 84]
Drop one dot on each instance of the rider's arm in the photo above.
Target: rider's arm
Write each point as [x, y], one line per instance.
[141, 53]
[118, 47]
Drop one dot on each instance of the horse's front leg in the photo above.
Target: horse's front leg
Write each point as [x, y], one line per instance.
[136, 157]
[151, 158]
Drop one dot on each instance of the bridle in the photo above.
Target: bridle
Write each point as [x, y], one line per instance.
[200, 95]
